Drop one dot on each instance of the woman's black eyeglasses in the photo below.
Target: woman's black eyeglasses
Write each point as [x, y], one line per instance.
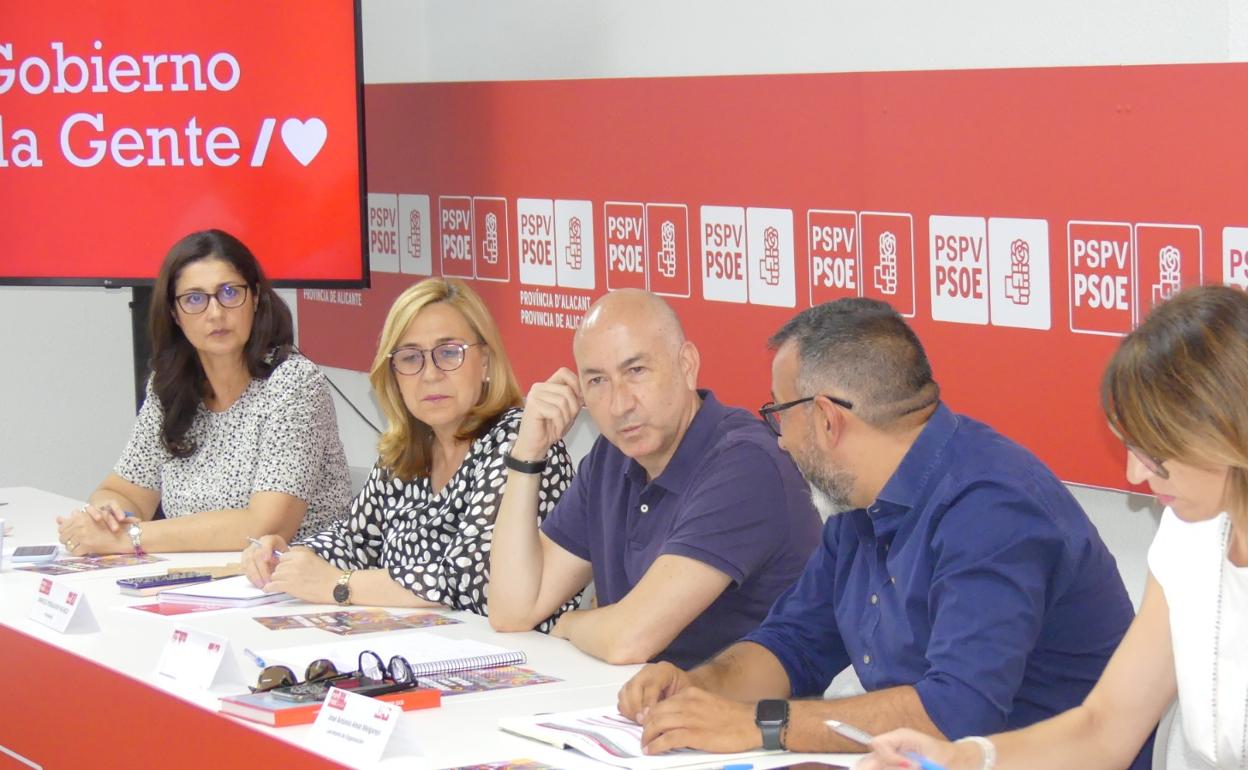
[230, 295]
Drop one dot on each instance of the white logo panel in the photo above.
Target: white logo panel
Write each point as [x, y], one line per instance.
[535, 219]
[415, 238]
[1018, 260]
[383, 232]
[770, 248]
[574, 244]
[723, 254]
[959, 269]
[1235, 256]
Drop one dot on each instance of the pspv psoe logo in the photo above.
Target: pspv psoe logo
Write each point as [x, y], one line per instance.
[1102, 277]
[455, 235]
[337, 699]
[959, 268]
[383, 232]
[625, 238]
[832, 243]
[556, 241]
[747, 255]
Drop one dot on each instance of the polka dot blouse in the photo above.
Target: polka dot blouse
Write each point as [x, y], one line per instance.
[438, 545]
[281, 435]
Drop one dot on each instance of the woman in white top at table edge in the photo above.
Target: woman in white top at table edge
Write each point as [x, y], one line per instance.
[419, 532]
[237, 435]
[1176, 392]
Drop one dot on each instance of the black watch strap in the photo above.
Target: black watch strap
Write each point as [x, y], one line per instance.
[772, 716]
[524, 466]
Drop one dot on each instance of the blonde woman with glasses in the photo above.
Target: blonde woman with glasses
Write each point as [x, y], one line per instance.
[418, 534]
[1176, 393]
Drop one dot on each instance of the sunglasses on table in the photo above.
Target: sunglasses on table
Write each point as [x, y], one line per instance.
[369, 666]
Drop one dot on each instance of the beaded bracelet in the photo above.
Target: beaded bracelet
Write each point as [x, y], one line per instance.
[986, 746]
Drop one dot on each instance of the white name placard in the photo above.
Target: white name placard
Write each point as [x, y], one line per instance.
[195, 659]
[61, 608]
[354, 727]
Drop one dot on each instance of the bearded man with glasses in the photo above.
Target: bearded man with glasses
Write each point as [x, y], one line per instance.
[956, 574]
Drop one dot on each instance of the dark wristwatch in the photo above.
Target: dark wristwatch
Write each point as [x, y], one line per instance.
[342, 591]
[523, 466]
[771, 716]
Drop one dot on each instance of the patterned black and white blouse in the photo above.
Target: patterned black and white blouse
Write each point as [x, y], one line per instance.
[281, 435]
[438, 545]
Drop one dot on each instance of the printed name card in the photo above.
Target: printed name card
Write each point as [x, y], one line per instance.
[353, 727]
[62, 608]
[196, 659]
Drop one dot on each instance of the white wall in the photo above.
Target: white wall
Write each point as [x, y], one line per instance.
[65, 383]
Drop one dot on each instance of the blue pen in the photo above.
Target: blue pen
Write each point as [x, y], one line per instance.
[259, 661]
[865, 738]
[276, 553]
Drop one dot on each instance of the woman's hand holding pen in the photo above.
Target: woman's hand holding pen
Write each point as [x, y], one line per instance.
[261, 557]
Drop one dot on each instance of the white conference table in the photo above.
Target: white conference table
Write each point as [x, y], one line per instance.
[461, 732]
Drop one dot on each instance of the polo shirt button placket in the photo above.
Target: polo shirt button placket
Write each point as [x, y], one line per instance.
[645, 508]
[866, 659]
[875, 598]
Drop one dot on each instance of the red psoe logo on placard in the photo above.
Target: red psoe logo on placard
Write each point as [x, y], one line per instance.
[491, 239]
[1168, 258]
[887, 264]
[455, 235]
[45, 586]
[337, 700]
[626, 245]
[1102, 272]
[667, 248]
[832, 243]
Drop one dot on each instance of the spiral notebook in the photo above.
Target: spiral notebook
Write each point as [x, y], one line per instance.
[428, 653]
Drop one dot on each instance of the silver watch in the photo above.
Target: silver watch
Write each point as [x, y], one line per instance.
[136, 537]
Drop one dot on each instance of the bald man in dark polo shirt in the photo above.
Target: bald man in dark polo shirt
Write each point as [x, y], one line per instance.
[685, 513]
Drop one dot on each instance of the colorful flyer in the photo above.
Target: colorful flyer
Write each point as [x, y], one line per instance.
[351, 622]
[508, 764]
[483, 679]
[91, 563]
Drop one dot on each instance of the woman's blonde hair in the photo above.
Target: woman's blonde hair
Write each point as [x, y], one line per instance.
[405, 445]
[1178, 386]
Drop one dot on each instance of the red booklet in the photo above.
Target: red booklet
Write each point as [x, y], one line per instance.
[268, 709]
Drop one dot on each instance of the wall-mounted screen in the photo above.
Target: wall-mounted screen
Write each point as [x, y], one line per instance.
[125, 124]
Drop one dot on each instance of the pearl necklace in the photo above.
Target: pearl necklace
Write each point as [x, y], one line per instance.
[1217, 638]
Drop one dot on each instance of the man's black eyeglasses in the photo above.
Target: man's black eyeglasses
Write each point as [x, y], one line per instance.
[770, 411]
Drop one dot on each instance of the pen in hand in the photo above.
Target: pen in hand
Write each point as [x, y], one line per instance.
[865, 738]
[276, 553]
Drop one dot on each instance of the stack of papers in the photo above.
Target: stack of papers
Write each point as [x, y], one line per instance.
[230, 592]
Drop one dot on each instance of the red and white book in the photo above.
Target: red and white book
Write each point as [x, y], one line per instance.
[268, 709]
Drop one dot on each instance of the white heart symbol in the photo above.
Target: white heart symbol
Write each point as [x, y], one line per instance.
[304, 139]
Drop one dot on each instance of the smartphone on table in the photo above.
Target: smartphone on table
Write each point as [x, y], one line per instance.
[34, 554]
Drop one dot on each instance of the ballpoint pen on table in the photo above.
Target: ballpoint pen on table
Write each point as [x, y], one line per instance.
[865, 738]
[259, 661]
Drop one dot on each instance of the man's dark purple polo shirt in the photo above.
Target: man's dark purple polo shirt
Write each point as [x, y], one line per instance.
[729, 497]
